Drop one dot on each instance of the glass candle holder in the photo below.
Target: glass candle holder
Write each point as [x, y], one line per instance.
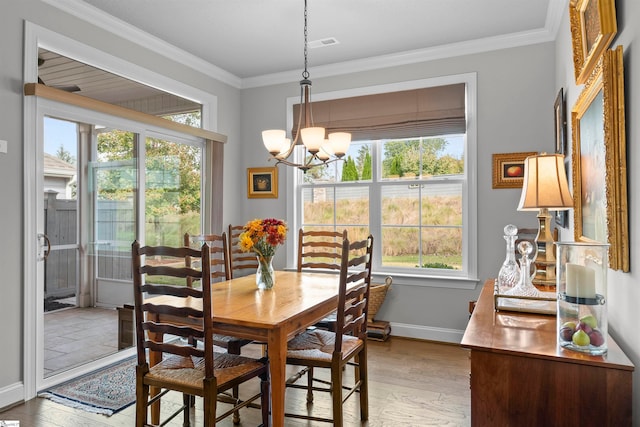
[581, 283]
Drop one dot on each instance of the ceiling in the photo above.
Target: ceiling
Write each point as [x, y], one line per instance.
[258, 39]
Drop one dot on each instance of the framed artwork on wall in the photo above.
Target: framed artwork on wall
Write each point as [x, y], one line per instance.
[599, 161]
[593, 27]
[262, 183]
[508, 169]
[560, 122]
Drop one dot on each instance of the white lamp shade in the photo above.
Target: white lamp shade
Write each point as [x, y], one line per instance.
[340, 142]
[284, 149]
[273, 140]
[312, 138]
[545, 184]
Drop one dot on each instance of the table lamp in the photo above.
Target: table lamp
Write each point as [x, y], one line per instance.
[545, 188]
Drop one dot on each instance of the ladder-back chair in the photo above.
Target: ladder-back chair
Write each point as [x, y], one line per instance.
[318, 348]
[165, 313]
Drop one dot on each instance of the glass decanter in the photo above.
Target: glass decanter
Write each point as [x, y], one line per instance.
[509, 274]
[525, 286]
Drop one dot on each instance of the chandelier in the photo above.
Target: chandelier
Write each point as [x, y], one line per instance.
[319, 150]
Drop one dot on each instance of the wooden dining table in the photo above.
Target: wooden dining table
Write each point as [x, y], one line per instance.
[273, 316]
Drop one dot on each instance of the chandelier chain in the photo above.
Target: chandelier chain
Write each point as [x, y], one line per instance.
[305, 73]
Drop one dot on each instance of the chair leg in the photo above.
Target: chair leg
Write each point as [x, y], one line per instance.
[336, 394]
[362, 375]
[310, 385]
[142, 398]
[235, 392]
[187, 400]
[265, 400]
[209, 402]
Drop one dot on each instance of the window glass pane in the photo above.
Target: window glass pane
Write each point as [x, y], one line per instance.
[115, 185]
[352, 205]
[318, 206]
[442, 204]
[172, 194]
[400, 204]
[422, 157]
[400, 246]
[442, 156]
[441, 248]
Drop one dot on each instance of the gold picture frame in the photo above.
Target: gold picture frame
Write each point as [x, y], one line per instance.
[508, 169]
[599, 160]
[593, 27]
[262, 183]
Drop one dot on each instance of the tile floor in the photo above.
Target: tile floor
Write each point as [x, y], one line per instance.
[74, 336]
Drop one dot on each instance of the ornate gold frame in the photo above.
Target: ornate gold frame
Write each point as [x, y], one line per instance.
[262, 183]
[593, 27]
[607, 80]
[501, 162]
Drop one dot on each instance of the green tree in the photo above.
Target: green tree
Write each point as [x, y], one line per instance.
[349, 170]
[366, 167]
[419, 156]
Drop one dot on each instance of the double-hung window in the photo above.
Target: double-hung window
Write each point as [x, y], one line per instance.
[408, 178]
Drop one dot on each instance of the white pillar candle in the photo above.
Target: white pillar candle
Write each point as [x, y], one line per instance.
[581, 281]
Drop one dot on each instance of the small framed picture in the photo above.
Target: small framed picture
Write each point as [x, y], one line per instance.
[508, 169]
[262, 183]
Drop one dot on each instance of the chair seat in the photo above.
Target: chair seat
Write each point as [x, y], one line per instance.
[226, 339]
[189, 371]
[319, 345]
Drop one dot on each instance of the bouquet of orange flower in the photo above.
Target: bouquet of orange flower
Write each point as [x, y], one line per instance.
[263, 236]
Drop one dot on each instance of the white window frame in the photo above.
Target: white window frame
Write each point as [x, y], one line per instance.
[463, 279]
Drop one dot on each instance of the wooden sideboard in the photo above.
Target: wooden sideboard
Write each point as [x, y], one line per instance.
[521, 377]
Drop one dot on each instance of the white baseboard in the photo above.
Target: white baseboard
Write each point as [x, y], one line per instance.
[426, 333]
[11, 394]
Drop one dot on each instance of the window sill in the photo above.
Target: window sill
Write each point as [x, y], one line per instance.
[452, 282]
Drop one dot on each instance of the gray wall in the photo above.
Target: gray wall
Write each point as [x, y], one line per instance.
[516, 91]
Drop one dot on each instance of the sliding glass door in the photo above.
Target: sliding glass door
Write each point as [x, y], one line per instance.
[104, 182]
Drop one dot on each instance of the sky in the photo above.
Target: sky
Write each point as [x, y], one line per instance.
[60, 133]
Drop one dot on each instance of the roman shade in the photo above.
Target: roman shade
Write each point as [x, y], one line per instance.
[412, 113]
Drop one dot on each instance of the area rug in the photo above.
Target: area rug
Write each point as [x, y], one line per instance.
[106, 391]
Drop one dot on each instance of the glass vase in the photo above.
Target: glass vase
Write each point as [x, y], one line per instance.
[265, 275]
[581, 283]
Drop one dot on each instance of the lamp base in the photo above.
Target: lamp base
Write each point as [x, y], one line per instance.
[545, 261]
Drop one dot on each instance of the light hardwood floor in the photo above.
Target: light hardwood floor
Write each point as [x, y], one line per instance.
[412, 383]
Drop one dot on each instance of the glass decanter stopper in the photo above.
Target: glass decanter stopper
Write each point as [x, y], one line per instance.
[525, 286]
[509, 273]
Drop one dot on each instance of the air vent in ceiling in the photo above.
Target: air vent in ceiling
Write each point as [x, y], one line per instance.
[329, 41]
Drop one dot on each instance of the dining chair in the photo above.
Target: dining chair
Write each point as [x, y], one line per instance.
[347, 346]
[187, 369]
[240, 263]
[321, 250]
[219, 262]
